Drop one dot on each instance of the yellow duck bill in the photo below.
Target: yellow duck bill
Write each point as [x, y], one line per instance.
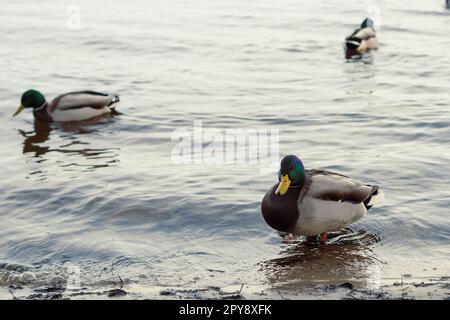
[19, 110]
[284, 185]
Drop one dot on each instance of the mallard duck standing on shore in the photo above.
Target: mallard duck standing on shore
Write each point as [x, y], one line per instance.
[314, 202]
[362, 40]
[72, 106]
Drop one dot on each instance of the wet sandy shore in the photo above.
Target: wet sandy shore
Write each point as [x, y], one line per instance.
[423, 289]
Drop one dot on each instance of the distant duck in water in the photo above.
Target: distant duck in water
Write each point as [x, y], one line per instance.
[314, 202]
[72, 106]
[361, 41]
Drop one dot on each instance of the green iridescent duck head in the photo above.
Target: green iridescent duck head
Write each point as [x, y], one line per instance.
[291, 174]
[31, 99]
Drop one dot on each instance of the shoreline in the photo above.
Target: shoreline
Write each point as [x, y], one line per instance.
[413, 289]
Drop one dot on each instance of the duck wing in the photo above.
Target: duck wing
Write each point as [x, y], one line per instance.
[326, 185]
[82, 99]
[364, 33]
[330, 201]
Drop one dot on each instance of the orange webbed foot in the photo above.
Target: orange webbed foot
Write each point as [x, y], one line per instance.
[323, 237]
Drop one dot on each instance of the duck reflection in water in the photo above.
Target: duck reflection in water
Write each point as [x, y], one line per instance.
[35, 143]
[346, 258]
[32, 140]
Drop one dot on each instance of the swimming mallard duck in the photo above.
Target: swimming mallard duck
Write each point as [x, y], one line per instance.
[313, 202]
[361, 40]
[72, 106]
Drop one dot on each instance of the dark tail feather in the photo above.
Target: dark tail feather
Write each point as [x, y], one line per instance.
[367, 23]
[114, 112]
[114, 99]
[366, 202]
